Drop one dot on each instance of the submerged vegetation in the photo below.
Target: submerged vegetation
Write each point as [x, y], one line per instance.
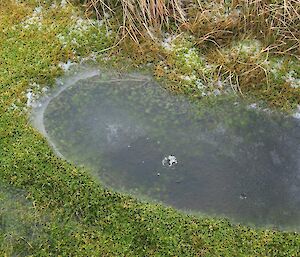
[247, 47]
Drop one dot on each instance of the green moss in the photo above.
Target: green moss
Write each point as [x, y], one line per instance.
[76, 215]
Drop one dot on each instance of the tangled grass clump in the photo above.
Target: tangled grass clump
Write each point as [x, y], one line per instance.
[276, 23]
[140, 17]
[238, 39]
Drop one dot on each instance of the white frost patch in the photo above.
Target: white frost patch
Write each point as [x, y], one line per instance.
[30, 96]
[53, 5]
[63, 3]
[93, 56]
[167, 42]
[291, 78]
[62, 39]
[31, 99]
[106, 15]
[35, 19]
[81, 24]
[66, 66]
[38, 10]
[249, 47]
[188, 77]
[297, 113]
[252, 106]
[34, 85]
[45, 90]
[169, 160]
[78, 29]
[200, 85]
[192, 58]
[220, 83]
[217, 92]
[13, 107]
[275, 66]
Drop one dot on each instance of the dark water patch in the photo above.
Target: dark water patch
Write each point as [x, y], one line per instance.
[221, 158]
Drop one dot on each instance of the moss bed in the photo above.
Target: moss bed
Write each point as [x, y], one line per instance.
[49, 207]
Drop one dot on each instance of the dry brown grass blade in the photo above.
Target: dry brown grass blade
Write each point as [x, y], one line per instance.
[273, 22]
[141, 17]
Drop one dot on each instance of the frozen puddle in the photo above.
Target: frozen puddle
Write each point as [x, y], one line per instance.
[223, 159]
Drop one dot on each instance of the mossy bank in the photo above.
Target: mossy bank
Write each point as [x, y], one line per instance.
[50, 207]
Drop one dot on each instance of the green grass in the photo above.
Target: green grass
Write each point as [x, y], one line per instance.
[62, 210]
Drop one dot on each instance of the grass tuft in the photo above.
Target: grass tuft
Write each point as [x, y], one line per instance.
[275, 23]
[140, 18]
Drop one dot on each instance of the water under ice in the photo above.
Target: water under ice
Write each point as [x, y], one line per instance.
[221, 158]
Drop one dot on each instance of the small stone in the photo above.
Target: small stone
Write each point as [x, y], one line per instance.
[170, 161]
[243, 196]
